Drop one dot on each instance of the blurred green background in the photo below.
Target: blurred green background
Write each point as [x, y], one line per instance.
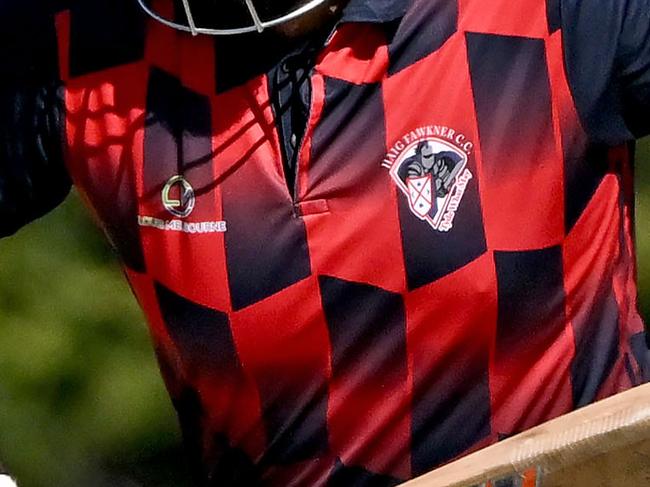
[81, 400]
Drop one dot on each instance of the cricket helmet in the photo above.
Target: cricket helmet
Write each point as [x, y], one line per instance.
[255, 18]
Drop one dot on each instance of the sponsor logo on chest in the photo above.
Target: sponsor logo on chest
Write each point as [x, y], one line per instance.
[429, 166]
[179, 199]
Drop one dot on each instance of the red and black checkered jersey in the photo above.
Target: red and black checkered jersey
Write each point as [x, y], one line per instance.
[446, 260]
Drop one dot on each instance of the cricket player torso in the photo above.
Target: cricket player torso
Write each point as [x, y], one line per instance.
[453, 264]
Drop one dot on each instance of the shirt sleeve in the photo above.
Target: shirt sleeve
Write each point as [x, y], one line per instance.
[633, 64]
[607, 53]
[33, 178]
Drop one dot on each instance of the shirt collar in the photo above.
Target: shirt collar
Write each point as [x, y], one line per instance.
[374, 11]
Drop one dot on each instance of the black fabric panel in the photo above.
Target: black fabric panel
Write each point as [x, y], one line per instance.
[256, 209]
[202, 335]
[243, 57]
[597, 341]
[427, 25]
[259, 267]
[336, 137]
[212, 464]
[430, 254]
[634, 377]
[190, 415]
[341, 160]
[295, 416]
[450, 414]
[512, 94]
[531, 299]
[240, 58]
[163, 131]
[176, 107]
[118, 212]
[583, 173]
[234, 468]
[178, 137]
[641, 351]
[105, 34]
[347, 476]
[554, 15]
[206, 346]
[364, 321]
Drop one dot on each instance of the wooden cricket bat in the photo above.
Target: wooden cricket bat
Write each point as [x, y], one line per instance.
[606, 444]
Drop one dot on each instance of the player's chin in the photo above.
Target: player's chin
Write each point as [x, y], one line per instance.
[6, 481]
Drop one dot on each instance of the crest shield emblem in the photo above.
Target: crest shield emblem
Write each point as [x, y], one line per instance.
[430, 167]
[420, 195]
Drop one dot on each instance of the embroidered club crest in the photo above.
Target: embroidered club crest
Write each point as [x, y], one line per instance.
[420, 194]
[429, 166]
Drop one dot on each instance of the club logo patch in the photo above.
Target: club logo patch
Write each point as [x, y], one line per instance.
[179, 199]
[178, 196]
[429, 166]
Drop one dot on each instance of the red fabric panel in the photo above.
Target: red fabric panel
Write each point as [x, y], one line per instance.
[356, 53]
[233, 407]
[161, 49]
[181, 260]
[525, 18]
[244, 126]
[170, 364]
[231, 404]
[352, 240]
[455, 109]
[283, 344]
[449, 345]
[625, 272]
[62, 22]
[369, 377]
[304, 159]
[356, 223]
[521, 187]
[527, 391]
[285, 335]
[197, 70]
[590, 253]
[618, 381]
[104, 124]
[189, 58]
[453, 116]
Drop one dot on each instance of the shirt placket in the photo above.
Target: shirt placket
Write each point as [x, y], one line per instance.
[292, 99]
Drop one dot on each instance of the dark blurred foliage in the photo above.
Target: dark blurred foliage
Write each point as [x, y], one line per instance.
[81, 400]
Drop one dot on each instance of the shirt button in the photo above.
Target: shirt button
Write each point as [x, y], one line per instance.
[294, 140]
